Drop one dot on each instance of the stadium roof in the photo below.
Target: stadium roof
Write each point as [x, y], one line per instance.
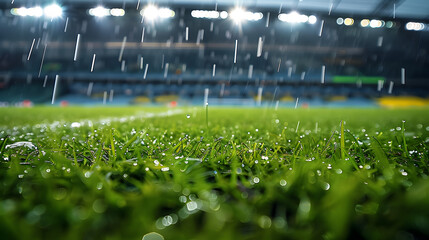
[412, 9]
[417, 9]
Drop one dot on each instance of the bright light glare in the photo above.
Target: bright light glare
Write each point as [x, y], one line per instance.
[224, 14]
[35, 12]
[166, 13]
[238, 15]
[364, 23]
[414, 26]
[312, 19]
[99, 12]
[389, 24]
[18, 11]
[349, 21]
[151, 12]
[205, 14]
[53, 11]
[293, 17]
[23, 12]
[117, 12]
[374, 23]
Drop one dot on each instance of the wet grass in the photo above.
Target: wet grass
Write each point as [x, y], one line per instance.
[243, 174]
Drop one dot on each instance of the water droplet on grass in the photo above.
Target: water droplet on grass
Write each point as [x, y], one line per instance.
[256, 180]
[182, 199]
[283, 182]
[326, 186]
[264, 222]
[191, 206]
[99, 206]
[88, 174]
[29, 145]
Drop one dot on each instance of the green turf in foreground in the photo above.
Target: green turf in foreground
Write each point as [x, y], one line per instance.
[254, 176]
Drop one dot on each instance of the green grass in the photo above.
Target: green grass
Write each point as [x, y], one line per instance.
[220, 174]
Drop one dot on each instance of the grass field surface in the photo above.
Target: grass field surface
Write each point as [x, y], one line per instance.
[214, 173]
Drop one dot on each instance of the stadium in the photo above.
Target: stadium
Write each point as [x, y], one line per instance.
[214, 119]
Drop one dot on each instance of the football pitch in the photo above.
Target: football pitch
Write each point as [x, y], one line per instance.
[213, 173]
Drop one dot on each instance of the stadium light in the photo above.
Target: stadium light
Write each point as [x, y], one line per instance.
[374, 23]
[238, 15]
[53, 11]
[205, 14]
[35, 11]
[99, 12]
[117, 12]
[293, 17]
[166, 13]
[414, 26]
[152, 12]
[18, 11]
[24, 12]
[349, 21]
[364, 23]
[312, 19]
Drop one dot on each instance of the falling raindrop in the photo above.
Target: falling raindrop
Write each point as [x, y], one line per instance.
[214, 70]
[321, 28]
[235, 51]
[76, 48]
[43, 59]
[104, 97]
[259, 50]
[66, 25]
[31, 50]
[121, 53]
[297, 126]
[55, 89]
[145, 71]
[93, 63]
[89, 91]
[390, 87]
[322, 80]
[143, 31]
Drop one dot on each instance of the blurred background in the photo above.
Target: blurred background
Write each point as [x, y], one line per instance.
[295, 53]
